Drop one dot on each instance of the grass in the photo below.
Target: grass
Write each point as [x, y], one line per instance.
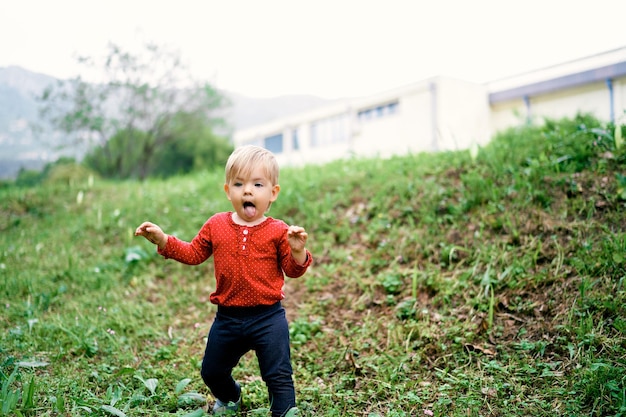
[456, 284]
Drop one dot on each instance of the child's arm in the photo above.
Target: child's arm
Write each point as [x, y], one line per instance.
[297, 237]
[153, 233]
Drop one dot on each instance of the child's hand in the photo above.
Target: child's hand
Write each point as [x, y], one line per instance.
[297, 237]
[153, 233]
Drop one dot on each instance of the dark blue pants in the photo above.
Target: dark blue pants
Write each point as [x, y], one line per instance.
[236, 331]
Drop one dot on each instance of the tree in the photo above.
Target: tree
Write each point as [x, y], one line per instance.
[195, 149]
[136, 111]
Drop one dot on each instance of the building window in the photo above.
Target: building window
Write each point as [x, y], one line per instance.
[376, 112]
[295, 143]
[274, 143]
[332, 130]
[314, 134]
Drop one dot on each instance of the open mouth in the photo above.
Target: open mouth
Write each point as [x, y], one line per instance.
[249, 209]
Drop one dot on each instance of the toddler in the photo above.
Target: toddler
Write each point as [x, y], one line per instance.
[251, 254]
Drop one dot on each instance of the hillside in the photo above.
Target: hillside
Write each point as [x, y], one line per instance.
[21, 147]
[451, 284]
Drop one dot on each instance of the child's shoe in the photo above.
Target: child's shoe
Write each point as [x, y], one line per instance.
[227, 409]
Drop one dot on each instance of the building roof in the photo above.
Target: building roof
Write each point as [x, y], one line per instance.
[596, 68]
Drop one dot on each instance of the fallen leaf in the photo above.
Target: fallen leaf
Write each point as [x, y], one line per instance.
[489, 392]
[480, 349]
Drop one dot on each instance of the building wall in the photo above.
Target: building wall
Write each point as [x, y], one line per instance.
[463, 115]
[433, 115]
[591, 98]
[406, 129]
[507, 114]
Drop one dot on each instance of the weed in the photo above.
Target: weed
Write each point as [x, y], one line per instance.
[15, 398]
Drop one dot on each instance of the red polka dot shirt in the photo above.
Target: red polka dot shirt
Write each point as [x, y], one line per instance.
[249, 260]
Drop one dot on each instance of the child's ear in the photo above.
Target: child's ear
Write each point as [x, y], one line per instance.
[275, 191]
[227, 190]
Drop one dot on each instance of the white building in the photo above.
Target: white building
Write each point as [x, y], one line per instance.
[442, 113]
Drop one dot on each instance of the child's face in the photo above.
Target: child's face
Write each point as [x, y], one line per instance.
[251, 197]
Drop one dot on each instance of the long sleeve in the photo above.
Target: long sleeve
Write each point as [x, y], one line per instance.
[290, 267]
[191, 253]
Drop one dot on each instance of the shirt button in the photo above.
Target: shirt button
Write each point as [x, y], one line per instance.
[245, 232]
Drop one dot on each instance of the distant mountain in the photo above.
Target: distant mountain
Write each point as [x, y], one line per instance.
[20, 147]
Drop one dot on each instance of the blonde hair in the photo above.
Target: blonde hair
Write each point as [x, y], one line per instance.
[244, 159]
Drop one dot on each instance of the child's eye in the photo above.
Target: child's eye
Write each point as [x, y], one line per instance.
[258, 184]
[237, 184]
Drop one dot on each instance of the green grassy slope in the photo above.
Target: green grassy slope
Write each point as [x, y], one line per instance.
[488, 284]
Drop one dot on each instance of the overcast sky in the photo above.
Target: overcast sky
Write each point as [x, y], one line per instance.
[328, 48]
